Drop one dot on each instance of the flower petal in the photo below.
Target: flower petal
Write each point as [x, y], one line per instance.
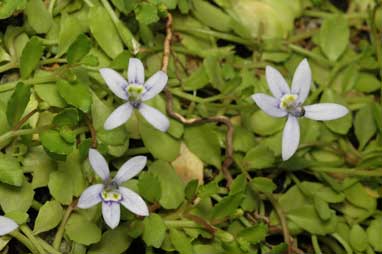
[119, 116]
[130, 169]
[136, 72]
[155, 85]
[268, 104]
[302, 79]
[99, 164]
[276, 82]
[133, 202]
[91, 196]
[116, 83]
[291, 137]
[154, 117]
[7, 225]
[325, 111]
[111, 213]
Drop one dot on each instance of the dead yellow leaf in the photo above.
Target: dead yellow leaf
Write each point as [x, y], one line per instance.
[188, 166]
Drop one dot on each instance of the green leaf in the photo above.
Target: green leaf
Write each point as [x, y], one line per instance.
[75, 94]
[70, 28]
[322, 208]
[53, 142]
[364, 125]
[358, 196]
[198, 79]
[16, 198]
[82, 231]
[149, 187]
[211, 15]
[73, 167]
[19, 217]
[374, 232]
[60, 187]
[49, 216]
[40, 164]
[17, 103]
[263, 124]
[4, 125]
[203, 141]
[279, 249]
[259, 157]
[243, 140]
[358, 238]
[68, 180]
[254, 234]
[323, 192]
[146, 13]
[307, 218]
[263, 184]
[79, 48]
[184, 6]
[49, 94]
[10, 171]
[334, 36]
[38, 16]
[180, 241]
[211, 64]
[114, 241]
[160, 144]
[155, 230]
[100, 22]
[367, 83]
[239, 184]
[30, 57]
[191, 189]
[227, 206]
[8, 7]
[172, 187]
[68, 117]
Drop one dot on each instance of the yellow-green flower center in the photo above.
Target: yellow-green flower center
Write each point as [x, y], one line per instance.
[288, 101]
[135, 91]
[112, 196]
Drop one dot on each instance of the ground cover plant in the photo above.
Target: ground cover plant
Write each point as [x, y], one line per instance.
[190, 126]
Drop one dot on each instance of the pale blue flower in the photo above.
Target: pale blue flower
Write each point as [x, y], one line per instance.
[110, 192]
[7, 225]
[135, 91]
[288, 102]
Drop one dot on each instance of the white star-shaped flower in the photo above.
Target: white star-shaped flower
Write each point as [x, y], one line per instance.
[7, 225]
[110, 192]
[288, 102]
[135, 91]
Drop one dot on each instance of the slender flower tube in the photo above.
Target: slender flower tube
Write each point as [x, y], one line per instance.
[288, 102]
[135, 91]
[110, 192]
[7, 225]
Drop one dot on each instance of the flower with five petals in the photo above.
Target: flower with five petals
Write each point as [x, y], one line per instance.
[135, 91]
[110, 192]
[288, 102]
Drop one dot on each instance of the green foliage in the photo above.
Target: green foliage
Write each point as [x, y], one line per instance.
[334, 36]
[155, 230]
[10, 171]
[30, 57]
[17, 103]
[49, 216]
[82, 231]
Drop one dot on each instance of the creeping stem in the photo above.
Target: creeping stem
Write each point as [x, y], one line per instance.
[217, 119]
[61, 229]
